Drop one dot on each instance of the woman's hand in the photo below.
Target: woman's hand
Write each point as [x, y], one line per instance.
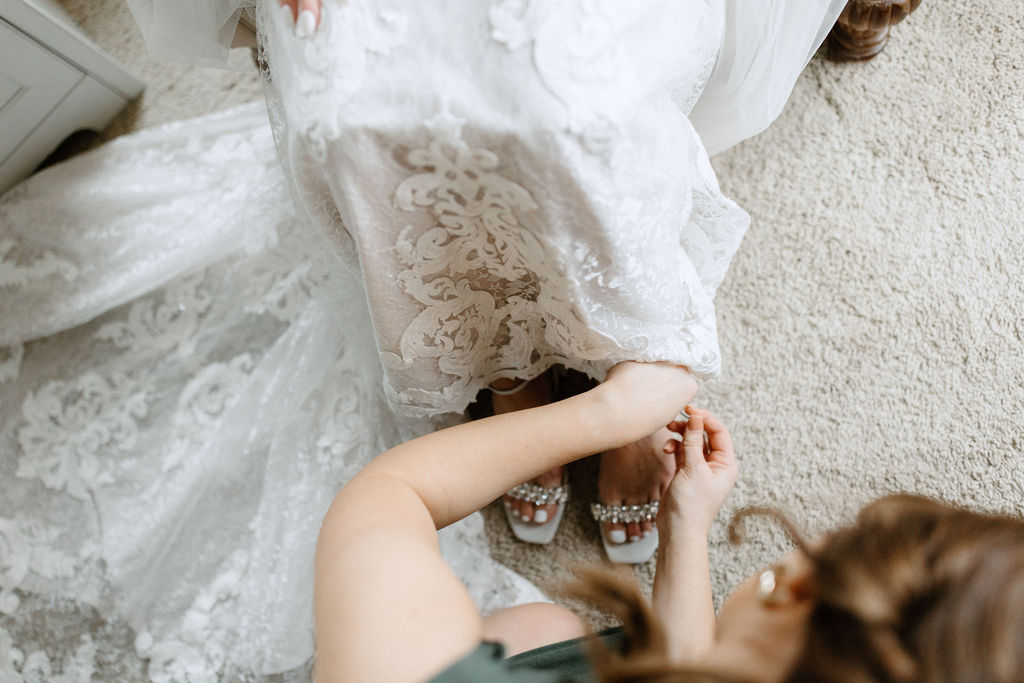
[304, 14]
[645, 396]
[705, 473]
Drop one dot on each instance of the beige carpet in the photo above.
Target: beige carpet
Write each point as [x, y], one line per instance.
[872, 323]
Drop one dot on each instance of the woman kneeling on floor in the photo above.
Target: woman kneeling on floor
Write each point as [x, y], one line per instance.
[914, 591]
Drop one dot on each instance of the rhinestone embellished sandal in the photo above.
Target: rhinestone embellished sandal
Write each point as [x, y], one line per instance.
[628, 552]
[533, 532]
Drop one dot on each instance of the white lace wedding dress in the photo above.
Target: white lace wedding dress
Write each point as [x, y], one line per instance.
[206, 333]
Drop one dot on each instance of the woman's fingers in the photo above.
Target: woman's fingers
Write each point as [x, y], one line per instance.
[289, 9]
[308, 18]
[704, 435]
[719, 439]
[304, 15]
[693, 441]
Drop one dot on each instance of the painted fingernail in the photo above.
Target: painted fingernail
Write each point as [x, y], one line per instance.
[306, 24]
[617, 536]
[286, 12]
[540, 516]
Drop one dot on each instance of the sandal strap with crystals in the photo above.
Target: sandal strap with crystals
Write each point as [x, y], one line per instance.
[624, 514]
[540, 495]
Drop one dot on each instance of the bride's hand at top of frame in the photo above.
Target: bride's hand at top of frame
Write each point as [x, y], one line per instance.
[649, 394]
[304, 14]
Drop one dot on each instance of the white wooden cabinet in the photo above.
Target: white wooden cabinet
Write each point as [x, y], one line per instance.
[53, 82]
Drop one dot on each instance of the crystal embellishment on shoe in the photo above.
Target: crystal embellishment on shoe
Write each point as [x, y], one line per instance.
[540, 495]
[540, 531]
[635, 551]
[624, 514]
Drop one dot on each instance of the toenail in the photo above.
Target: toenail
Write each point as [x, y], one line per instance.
[634, 539]
[617, 536]
[540, 516]
[647, 532]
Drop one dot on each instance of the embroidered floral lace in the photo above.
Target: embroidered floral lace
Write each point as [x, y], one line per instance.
[199, 348]
[186, 380]
[558, 208]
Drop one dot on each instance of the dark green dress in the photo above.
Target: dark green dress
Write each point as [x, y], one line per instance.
[565, 662]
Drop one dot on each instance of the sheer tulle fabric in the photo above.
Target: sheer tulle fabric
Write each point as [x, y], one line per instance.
[210, 326]
[194, 31]
[207, 382]
[551, 205]
[765, 46]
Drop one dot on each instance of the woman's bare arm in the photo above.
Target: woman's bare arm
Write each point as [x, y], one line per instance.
[387, 606]
[682, 583]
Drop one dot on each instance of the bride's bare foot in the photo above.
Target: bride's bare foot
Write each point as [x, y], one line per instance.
[537, 392]
[634, 475]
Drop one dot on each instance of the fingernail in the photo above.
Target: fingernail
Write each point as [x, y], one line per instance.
[617, 536]
[306, 24]
[540, 516]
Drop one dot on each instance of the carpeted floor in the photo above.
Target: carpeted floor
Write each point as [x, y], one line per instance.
[873, 322]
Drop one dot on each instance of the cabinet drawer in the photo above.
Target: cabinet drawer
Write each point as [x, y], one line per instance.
[33, 81]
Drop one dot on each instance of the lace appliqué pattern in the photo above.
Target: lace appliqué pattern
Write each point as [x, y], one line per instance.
[37, 667]
[325, 70]
[201, 404]
[160, 328]
[67, 425]
[283, 283]
[576, 57]
[340, 425]
[192, 653]
[10, 362]
[589, 53]
[48, 264]
[478, 271]
[28, 546]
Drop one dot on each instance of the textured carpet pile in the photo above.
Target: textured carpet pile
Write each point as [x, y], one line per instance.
[872, 324]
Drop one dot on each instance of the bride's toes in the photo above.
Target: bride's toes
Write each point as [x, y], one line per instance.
[543, 513]
[511, 504]
[534, 509]
[538, 514]
[616, 533]
[634, 477]
[515, 506]
[526, 511]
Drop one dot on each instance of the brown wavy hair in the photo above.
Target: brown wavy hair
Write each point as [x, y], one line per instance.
[915, 590]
